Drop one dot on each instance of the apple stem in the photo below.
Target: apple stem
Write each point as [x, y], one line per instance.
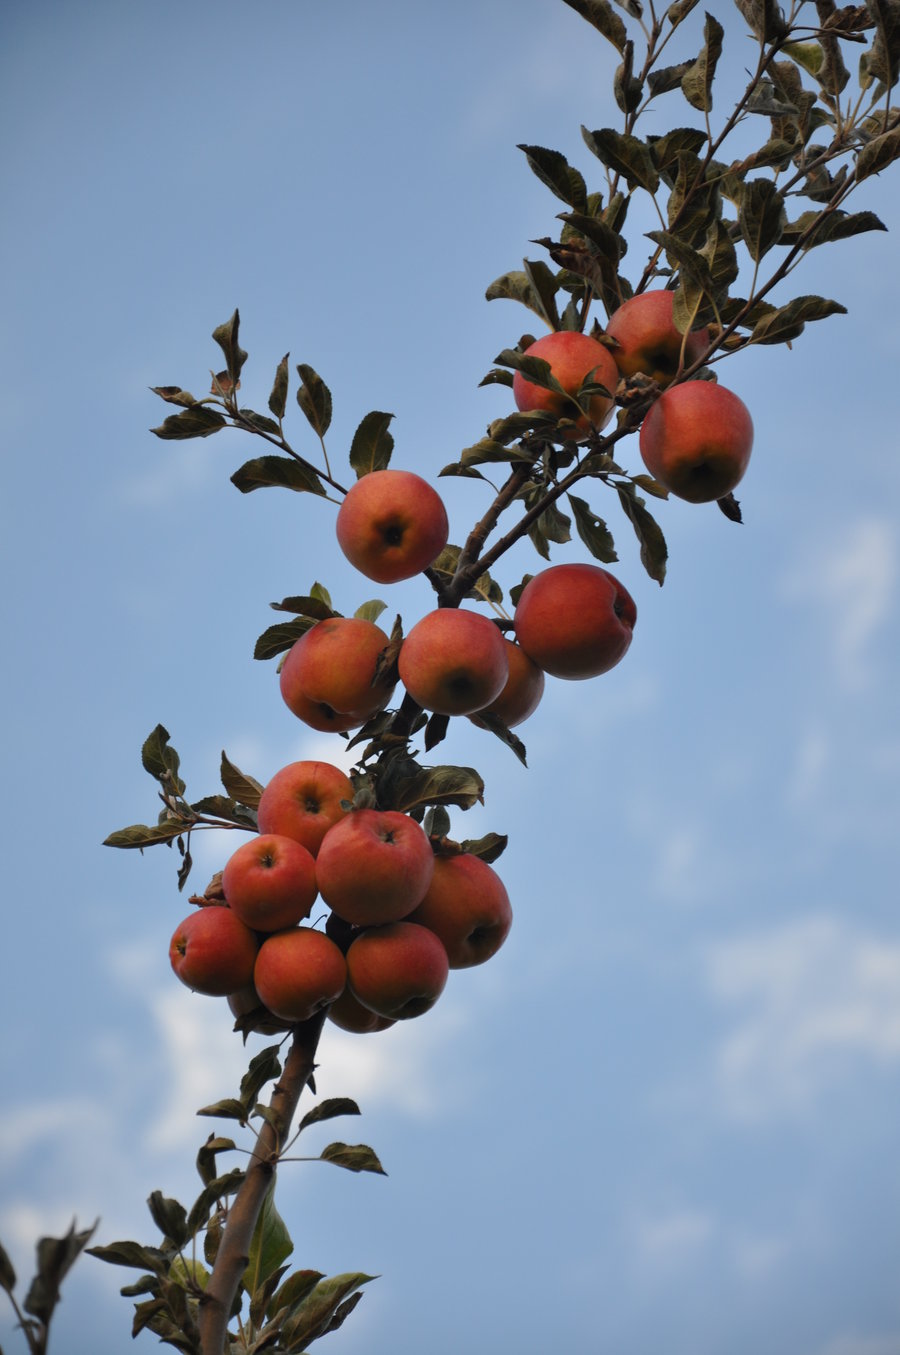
[234, 1248]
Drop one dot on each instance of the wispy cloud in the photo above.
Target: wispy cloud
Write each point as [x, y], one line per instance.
[817, 997]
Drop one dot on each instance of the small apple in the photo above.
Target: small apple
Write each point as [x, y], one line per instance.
[453, 662]
[392, 525]
[247, 1000]
[213, 951]
[397, 971]
[468, 909]
[572, 356]
[374, 866]
[523, 690]
[575, 621]
[696, 440]
[270, 882]
[350, 1014]
[298, 972]
[328, 676]
[648, 340]
[303, 800]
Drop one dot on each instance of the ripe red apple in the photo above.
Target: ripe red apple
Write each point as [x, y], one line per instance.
[696, 440]
[648, 340]
[270, 882]
[571, 356]
[298, 972]
[303, 800]
[392, 525]
[397, 971]
[350, 1014]
[468, 909]
[374, 866]
[575, 620]
[247, 1000]
[213, 951]
[453, 662]
[328, 676]
[522, 692]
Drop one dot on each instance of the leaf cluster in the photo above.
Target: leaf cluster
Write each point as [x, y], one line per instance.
[55, 1258]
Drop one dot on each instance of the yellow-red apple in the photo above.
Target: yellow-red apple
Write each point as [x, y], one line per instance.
[303, 800]
[391, 525]
[397, 971]
[453, 662]
[374, 866]
[575, 620]
[350, 1014]
[298, 972]
[213, 951]
[648, 340]
[572, 356]
[468, 909]
[328, 676]
[522, 692]
[696, 440]
[270, 882]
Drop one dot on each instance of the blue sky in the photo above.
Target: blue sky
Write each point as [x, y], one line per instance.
[666, 1113]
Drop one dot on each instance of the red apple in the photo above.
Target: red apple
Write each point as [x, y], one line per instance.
[328, 676]
[303, 800]
[247, 1000]
[453, 662]
[522, 692]
[575, 621]
[696, 440]
[298, 972]
[270, 882]
[572, 356]
[350, 1014]
[392, 525]
[374, 866]
[648, 340]
[467, 907]
[397, 971]
[213, 951]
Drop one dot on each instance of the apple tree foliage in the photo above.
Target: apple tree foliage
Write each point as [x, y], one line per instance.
[731, 232]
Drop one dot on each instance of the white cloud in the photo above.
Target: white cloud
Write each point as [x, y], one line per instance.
[673, 1237]
[854, 586]
[818, 998]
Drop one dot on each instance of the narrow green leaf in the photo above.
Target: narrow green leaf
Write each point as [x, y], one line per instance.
[593, 531]
[627, 88]
[545, 285]
[133, 1255]
[282, 472]
[260, 421]
[697, 82]
[227, 1109]
[487, 450]
[356, 1157]
[223, 807]
[536, 370]
[786, 322]
[372, 444]
[197, 422]
[226, 336]
[320, 593]
[652, 542]
[278, 396]
[210, 1195]
[314, 398]
[270, 1245]
[264, 1067]
[241, 787]
[884, 54]
[311, 1319]
[144, 835]
[764, 17]
[328, 1110]
[601, 15]
[666, 149]
[825, 227]
[678, 12]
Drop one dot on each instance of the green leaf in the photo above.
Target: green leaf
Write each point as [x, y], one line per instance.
[210, 1195]
[786, 322]
[315, 1314]
[517, 286]
[884, 54]
[370, 611]
[206, 1157]
[133, 1255]
[223, 807]
[666, 78]
[497, 377]
[260, 422]
[314, 398]
[328, 1110]
[169, 1216]
[229, 1108]
[461, 786]
[276, 639]
[880, 152]
[678, 12]
[825, 227]
[625, 155]
[697, 82]
[666, 149]
[487, 720]
[7, 1272]
[197, 422]
[554, 170]
[160, 759]
[313, 604]
[226, 336]
[761, 216]
[764, 17]
[534, 369]
[278, 396]
[282, 472]
[627, 89]
[437, 822]
[264, 1067]
[241, 787]
[652, 542]
[487, 848]
[487, 450]
[601, 15]
[372, 444]
[320, 592]
[356, 1157]
[294, 1290]
[174, 395]
[270, 1245]
[593, 531]
[144, 835]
